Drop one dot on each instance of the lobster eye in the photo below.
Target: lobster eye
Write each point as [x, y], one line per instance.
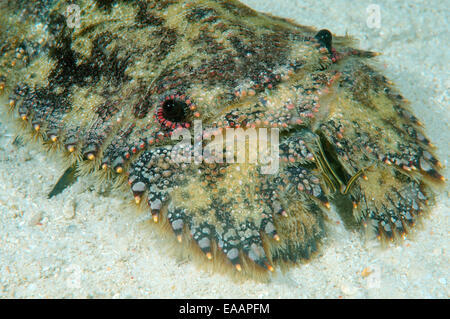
[174, 110]
[325, 38]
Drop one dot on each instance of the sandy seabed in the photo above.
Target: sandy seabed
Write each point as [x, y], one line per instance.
[82, 244]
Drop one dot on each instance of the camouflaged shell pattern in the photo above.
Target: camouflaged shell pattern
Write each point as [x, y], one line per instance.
[109, 93]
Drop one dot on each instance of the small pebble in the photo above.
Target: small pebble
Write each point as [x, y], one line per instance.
[366, 272]
[35, 218]
[69, 210]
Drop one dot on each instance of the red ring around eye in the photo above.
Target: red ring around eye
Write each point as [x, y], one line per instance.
[175, 111]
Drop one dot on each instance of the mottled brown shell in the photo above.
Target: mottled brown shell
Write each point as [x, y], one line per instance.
[109, 92]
